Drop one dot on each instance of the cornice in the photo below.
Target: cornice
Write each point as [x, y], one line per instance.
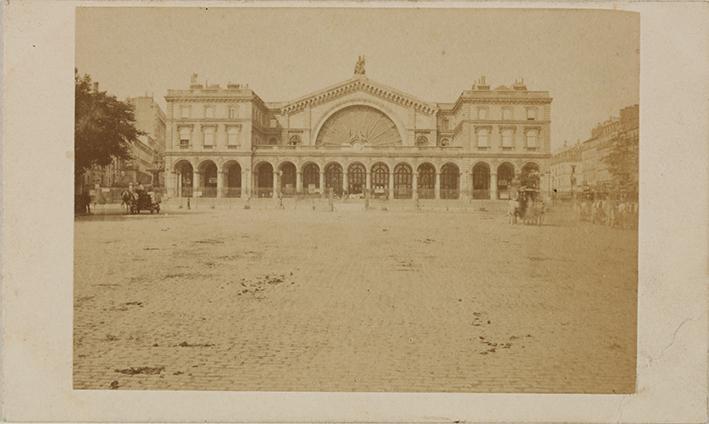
[363, 85]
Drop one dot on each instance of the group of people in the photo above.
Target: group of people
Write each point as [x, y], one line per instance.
[605, 210]
[526, 207]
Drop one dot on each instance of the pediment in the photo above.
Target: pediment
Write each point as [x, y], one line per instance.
[360, 84]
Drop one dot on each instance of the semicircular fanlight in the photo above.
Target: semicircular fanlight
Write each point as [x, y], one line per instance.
[359, 125]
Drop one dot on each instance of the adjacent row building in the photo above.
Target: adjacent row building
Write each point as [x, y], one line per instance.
[147, 152]
[583, 165]
[355, 136]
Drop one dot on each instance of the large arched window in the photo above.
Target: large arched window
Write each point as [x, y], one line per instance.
[333, 178]
[359, 124]
[380, 180]
[311, 178]
[426, 181]
[449, 181]
[288, 178]
[403, 181]
[356, 178]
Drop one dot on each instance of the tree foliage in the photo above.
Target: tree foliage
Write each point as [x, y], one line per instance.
[622, 159]
[104, 127]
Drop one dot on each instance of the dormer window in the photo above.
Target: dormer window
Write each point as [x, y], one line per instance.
[482, 113]
[233, 112]
[209, 111]
[185, 111]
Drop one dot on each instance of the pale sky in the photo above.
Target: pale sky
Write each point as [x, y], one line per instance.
[587, 60]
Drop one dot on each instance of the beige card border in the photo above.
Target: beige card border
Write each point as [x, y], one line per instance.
[38, 233]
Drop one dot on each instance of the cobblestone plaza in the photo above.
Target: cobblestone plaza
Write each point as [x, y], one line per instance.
[302, 299]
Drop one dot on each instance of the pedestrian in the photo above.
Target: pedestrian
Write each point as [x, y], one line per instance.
[513, 209]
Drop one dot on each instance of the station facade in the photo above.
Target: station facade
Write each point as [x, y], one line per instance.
[354, 137]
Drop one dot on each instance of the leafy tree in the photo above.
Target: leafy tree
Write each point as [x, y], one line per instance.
[104, 127]
[622, 159]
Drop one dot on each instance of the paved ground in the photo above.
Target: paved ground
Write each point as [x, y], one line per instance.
[310, 300]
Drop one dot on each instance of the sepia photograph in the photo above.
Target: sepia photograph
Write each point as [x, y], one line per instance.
[356, 199]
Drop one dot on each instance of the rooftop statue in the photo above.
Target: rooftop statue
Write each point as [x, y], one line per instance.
[359, 67]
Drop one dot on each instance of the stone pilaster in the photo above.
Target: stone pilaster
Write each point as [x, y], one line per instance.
[437, 186]
[493, 186]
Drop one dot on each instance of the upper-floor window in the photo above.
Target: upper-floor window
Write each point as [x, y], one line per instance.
[185, 111]
[233, 112]
[209, 111]
[483, 135]
[232, 136]
[531, 114]
[532, 139]
[185, 137]
[209, 137]
[445, 124]
[274, 123]
[482, 113]
[506, 113]
[507, 138]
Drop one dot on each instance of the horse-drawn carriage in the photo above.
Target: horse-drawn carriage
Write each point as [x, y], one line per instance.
[140, 200]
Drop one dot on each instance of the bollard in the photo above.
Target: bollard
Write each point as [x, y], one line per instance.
[188, 204]
[329, 199]
[366, 199]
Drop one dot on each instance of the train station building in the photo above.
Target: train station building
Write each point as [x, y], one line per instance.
[354, 137]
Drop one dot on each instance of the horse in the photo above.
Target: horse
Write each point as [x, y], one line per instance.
[127, 198]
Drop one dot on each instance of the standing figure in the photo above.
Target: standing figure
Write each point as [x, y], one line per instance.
[513, 209]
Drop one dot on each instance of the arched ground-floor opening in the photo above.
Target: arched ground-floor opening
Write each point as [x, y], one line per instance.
[232, 179]
[311, 178]
[264, 180]
[184, 174]
[426, 181]
[380, 180]
[505, 176]
[333, 178]
[481, 181]
[529, 176]
[288, 178]
[450, 177]
[403, 181]
[208, 180]
[356, 178]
